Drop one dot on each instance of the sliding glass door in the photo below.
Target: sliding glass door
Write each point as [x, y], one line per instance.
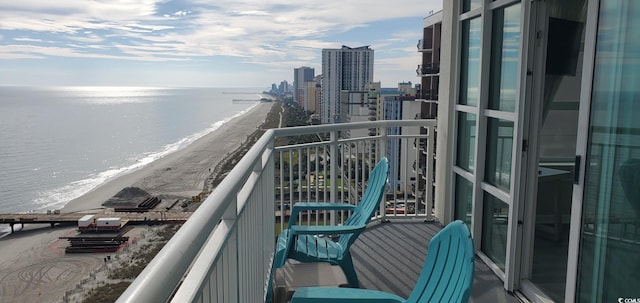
[554, 106]
[608, 267]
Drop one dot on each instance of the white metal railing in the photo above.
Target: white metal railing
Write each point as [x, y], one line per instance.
[223, 252]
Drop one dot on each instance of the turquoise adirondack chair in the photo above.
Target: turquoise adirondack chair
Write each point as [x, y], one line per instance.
[447, 275]
[301, 242]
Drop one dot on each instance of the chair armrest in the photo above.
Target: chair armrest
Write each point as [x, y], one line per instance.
[306, 206]
[328, 230]
[336, 294]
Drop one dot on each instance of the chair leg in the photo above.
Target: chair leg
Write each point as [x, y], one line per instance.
[349, 271]
[279, 259]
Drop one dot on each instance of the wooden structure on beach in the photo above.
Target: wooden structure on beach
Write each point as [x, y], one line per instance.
[97, 242]
[146, 205]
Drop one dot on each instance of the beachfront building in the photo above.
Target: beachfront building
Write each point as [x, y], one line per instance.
[312, 95]
[538, 142]
[429, 68]
[393, 110]
[301, 76]
[346, 71]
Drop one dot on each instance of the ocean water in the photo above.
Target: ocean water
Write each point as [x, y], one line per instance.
[57, 143]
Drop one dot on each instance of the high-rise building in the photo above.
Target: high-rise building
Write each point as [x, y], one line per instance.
[284, 87]
[301, 76]
[346, 71]
[429, 69]
[312, 96]
[395, 108]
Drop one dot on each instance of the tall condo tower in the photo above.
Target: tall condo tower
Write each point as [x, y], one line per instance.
[301, 76]
[345, 71]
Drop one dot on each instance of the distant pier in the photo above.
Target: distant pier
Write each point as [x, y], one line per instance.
[252, 100]
[240, 93]
[150, 217]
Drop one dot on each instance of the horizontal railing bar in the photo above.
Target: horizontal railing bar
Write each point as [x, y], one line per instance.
[358, 139]
[406, 136]
[302, 130]
[293, 146]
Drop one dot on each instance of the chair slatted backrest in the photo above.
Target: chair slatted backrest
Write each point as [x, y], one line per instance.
[370, 201]
[447, 275]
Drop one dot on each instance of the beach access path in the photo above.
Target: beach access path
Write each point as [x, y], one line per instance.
[33, 266]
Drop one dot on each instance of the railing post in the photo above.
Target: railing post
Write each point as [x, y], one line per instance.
[382, 151]
[430, 165]
[231, 272]
[268, 211]
[333, 170]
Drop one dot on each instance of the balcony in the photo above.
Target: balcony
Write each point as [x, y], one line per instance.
[224, 251]
[427, 95]
[428, 69]
[425, 45]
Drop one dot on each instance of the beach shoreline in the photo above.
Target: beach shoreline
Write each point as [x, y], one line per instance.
[181, 174]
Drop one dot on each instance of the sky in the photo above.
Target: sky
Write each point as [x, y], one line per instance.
[201, 43]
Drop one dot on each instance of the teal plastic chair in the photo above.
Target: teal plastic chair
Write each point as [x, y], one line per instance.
[302, 243]
[447, 275]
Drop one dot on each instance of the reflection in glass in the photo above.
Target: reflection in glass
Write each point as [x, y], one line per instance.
[494, 229]
[470, 62]
[466, 141]
[505, 44]
[499, 150]
[464, 198]
[609, 262]
[468, 5]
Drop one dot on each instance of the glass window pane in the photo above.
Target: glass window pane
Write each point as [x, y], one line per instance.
[468, 5]
[505, 45]
[465, 157]
[494, 229]
[609, 262]
[464, 198]
[499, 148]
[470, 62]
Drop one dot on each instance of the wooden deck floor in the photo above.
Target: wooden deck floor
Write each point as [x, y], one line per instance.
[389, 257]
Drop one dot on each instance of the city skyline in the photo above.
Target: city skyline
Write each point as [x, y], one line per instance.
[197, 44]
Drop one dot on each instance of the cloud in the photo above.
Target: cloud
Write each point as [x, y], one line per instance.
[254, 13]
[25, 39]
[267, 33]
[181, 13]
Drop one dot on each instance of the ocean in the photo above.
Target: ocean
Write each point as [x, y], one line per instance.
[57, 143]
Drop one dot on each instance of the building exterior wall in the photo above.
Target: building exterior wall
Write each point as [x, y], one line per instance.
[447, 93]
[495, 88]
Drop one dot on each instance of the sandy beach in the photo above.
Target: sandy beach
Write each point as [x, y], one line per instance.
[33, 265]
